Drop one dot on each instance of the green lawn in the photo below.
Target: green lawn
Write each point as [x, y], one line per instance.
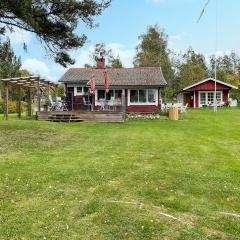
[116, 181]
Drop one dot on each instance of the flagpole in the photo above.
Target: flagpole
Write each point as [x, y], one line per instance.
[215, 67]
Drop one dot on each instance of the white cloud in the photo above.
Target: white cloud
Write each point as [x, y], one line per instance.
[36, 67]
[126, 55]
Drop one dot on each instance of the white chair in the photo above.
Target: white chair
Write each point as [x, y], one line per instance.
[86, 102]
[183, 108]
[163, 106]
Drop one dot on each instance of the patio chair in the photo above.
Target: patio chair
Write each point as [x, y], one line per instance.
[183, 108]
[163, 107]
[51, 103]
[87, 103]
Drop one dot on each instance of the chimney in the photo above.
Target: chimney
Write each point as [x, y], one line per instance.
[101, 63]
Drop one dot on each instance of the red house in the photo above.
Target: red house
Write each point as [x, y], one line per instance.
[138, 87]
[201, 94]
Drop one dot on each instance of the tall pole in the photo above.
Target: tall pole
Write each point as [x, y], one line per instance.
[215, 67]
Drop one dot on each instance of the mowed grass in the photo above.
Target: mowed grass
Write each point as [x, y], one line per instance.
[116, 181]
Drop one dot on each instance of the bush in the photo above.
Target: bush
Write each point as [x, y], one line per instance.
[12, 106]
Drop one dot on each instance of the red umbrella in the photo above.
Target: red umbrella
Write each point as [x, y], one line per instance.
[106, 81]
[93, 84]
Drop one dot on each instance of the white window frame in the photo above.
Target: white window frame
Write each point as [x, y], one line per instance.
[79, 94]
[206, 96]
[97, 103]
[144, 103]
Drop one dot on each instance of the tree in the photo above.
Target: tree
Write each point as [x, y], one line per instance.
[192, 68]
[9, 63]
[24, 73]
[228, 67]
[54, 22]
[152, 51]
[116, 63]
[102, 51]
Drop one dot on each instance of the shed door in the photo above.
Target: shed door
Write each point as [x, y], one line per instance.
[187, 99]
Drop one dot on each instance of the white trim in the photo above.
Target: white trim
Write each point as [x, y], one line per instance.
[210, 79]
[146, 103]
[80, 94]
[206, 96]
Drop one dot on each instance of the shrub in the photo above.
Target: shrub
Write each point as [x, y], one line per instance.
[12, 106]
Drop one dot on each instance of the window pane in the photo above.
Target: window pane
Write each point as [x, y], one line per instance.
[110, 95]
[210, 98]
[85, 89]
[133, 96]
[219, 96]
[203, 98]
[79, 89]
[118, 94]
[142, 96]
[101, 94]
[151, 95]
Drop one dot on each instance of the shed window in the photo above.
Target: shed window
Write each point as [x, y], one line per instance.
[207, 98]
[210, 98]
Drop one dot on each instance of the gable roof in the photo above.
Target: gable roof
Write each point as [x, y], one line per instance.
[142, 76]
[210, 79]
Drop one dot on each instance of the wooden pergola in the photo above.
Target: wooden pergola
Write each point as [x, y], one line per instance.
[29, 84]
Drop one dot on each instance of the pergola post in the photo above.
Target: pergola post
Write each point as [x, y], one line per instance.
[29, 102]
[19, 98]
[38, 95]
[5, 86]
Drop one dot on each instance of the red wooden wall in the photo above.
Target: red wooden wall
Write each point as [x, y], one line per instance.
[209, 86]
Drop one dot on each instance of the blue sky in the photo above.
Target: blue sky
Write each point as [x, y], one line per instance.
[122, 23]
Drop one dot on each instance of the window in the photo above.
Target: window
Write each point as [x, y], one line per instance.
[203, 98]
[143, 96]
[151, 95]
[79, 89]
[118, 94]
[210, 98]
[85, 89]
[110, 95]
[134, 96]
[219, 97]
[207, 98]
[101, 94]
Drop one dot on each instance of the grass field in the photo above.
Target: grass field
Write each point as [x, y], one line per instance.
[138, 180]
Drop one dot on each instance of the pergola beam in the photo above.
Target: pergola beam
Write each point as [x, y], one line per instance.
[28, 83]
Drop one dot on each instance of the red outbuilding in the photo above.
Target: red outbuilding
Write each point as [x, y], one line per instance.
[201, 94]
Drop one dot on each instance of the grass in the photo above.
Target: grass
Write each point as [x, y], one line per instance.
[113, 181]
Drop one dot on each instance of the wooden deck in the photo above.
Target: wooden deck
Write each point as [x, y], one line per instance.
[82, 116]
